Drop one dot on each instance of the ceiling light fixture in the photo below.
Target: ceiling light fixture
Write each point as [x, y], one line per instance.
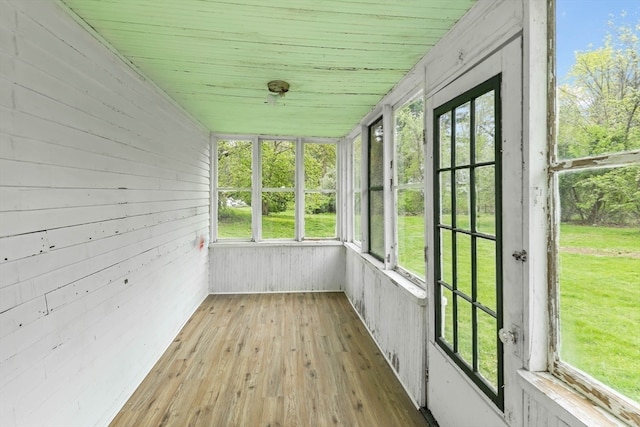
[278, 87]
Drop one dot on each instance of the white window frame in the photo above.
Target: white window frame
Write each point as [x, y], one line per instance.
[256, 189]
[597, 392]
[355, 239]
[300, 170]
[412, 96]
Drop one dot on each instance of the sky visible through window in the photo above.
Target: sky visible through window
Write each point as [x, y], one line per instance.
[583, 24]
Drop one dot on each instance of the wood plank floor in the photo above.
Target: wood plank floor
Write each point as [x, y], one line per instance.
[271, 360]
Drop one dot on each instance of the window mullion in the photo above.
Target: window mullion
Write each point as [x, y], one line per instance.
[213, 188]
[299, 191]
[364, 188]
[389, 215]
[256, 196]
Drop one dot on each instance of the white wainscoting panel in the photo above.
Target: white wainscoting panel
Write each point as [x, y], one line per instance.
[395, 318]
[273, 267]
[104, 195]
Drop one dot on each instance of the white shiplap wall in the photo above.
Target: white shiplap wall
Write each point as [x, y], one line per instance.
[103, 196]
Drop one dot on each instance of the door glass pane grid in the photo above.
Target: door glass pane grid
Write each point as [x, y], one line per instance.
[468, 267]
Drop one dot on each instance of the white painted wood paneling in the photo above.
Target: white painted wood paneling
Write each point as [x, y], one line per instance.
[453, 399]
[273, 267]
[104, 193]
[394, 316]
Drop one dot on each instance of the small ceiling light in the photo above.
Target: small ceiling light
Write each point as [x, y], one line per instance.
[278, 87]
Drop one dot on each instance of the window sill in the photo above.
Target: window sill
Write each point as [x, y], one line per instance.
[273, 243]
[563, 402]
[416, 292]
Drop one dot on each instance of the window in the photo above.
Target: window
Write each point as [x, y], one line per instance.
[234, 189]
[468, 286]
[357, 189]
[319, 191]
[281, 189]
[409, 186]
[595, 176]
[376, 190]
[278, 189]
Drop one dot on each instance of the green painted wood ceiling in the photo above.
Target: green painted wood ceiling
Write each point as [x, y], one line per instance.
[215, 58]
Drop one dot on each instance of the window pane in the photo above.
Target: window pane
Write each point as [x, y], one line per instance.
[278, 215]
[488, 348]
[278, 164]
[465, 330]
[463, 185]
[319, 166]
[234, 164]
[446, 273]
[411, 231]
[320, 215]
[597, 80]
[463, 263]
[376, 158]
[409, 148]
[486, 271]
[599, 275]
[445, 140]
[357, 214]
[445, 198]
[485, 128]
[320, 174]
[357, 162]
[485, 188]
[376, 200]
[376, 224]
[463, 134]
[234, 214]
[446, 308]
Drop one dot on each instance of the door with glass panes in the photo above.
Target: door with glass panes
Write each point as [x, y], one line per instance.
[476, 182]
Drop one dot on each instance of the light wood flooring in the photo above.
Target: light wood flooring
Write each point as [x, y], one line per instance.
[272, 360]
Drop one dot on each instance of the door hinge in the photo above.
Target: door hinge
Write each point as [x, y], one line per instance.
[388, 257]
[520, 255]
[425, 253]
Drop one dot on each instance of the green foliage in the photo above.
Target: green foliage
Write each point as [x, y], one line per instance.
[409, 147]
[320, 174]
[278, 172]
[411, 202]
[601, 196]
[599, 113]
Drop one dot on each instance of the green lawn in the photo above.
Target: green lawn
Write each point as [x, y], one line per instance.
[600, 304]
[599, 297]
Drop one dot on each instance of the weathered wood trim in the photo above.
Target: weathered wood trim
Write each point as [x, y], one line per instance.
[604, 160]
[389, 234]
